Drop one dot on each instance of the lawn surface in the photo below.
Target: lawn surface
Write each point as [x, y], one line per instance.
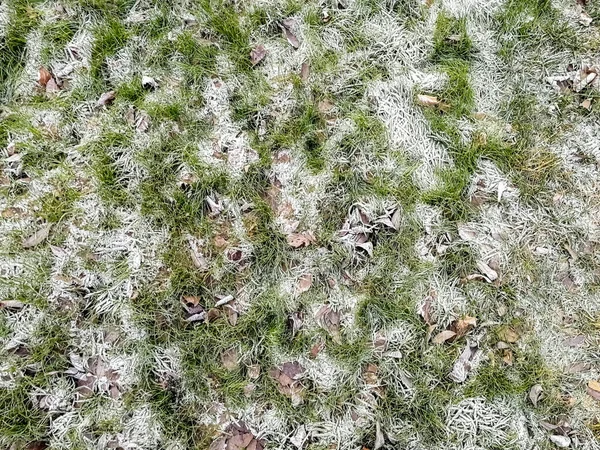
[284, 224]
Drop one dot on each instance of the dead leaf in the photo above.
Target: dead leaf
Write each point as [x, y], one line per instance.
[486, 270]
[52, 87]
[295, 322]
[229, 358]
[192, 299]
[38, 237]
[586, 104]
[257, 54]
[443, 336]
[367, 246]
[254, 371]
[464, 325]
[286, 26]
[288, 378]
[316, 349]
[507, 334]
[575, 341]
[142, 121]
[232, 315]
[303, 239]
[106, 98]
[304, 283]
[44, 76]
[464, 364]
[304, 71]
[223, 300]
[508, 357]
[329, 319]
[593, 389]
[431, 101]
[536, 394]
[560, 441]
[370, 375]
[11, 304]
[325, 106]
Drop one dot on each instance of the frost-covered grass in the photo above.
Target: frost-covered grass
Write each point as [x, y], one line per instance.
[240, 251]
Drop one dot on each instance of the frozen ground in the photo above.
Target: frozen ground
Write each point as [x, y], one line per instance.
[335, 224]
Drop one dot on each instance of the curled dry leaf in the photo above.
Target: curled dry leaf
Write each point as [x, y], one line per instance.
[52, 87]
[304, 283]
[193, 300]
[443, 336]
[257, 54]
[593, 389]
[238, 437]
[316, 349]
[286, 26]
[486, 270]
[586, 104]
[463, 326]
[536, 394]
[295, 322]
[303, 239]
[464, 364]
[431, 101]
[106, 98]
[38, 237]
[329, 319]
[254, 371]
[44, 76]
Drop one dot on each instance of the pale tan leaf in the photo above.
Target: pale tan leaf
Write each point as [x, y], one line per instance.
[38, 237]
[535, 394]
[507, 334]
[304, 283]
[463, 325]
[229, 358]
[302, 239]
[443, 336]
[11, 304]
[192, 299]
[304, 71]
[52, 87]
[257, 54]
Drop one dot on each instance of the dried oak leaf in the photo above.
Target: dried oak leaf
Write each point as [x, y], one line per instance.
[303, 239]
[38, 237]
[316, 349]
[370, 374]
[507, 334]
[257, 54]
[288, 378]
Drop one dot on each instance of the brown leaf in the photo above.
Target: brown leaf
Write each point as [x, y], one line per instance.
[38, 237]
[142, 121]
[586, 104]
[292, 369]
[425, 310]
[329, 319]
[575, 341]
[192, 299]
[304, 283]
[44, 76]
[229, 358]
[443, 336]
[593, 389]
[325, 106]
[462, 326]
[507, 357]
[257, 54]
[232, 315]
[316, 349]
[370, 374]
[304, 71]
[303, 239]
[106, 98]
[286, 26]
[431, 101]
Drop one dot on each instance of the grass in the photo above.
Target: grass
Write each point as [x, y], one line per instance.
[125, 205]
